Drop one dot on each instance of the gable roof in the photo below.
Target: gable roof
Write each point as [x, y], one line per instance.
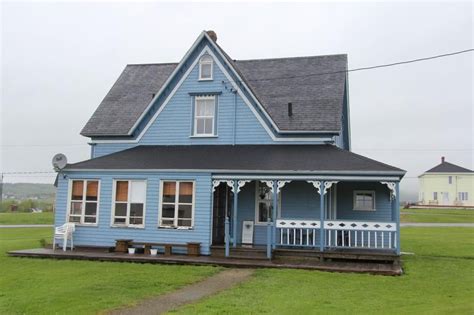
[317, 100]
[218, 158]
[446, 167]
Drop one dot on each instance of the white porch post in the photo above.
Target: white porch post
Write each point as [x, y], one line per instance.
[397, 213]
[321, 216]
[236, 202]
[274, 214]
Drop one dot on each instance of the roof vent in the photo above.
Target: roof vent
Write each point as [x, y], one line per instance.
[442, 159]
[212, 35]
[290, 109]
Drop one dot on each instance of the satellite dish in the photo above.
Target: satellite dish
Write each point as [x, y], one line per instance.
[59, 161]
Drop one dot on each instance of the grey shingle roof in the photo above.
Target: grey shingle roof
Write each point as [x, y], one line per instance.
[127, 99]
[446, 167]
[278, 158]
[317, 99]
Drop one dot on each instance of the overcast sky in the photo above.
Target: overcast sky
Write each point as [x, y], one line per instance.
[60, 59]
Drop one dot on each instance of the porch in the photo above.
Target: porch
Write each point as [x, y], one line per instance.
[305, 215]
[294, 261]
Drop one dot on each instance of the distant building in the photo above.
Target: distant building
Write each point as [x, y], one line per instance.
[447, 185]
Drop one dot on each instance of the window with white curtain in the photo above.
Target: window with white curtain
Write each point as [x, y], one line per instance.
[206, 65]
[129, 203]
[204, 115]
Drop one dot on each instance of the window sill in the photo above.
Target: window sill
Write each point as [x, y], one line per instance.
[203, 136]
[86, 225]
[128, 226]
[203, 80]
[175, 228]
[262, 223]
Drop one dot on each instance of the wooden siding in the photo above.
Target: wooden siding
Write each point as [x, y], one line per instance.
[105, 235]
[383, 206]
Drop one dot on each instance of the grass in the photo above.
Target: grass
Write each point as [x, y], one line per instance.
[438, 279]
[47, 286]
[437, 215]
[26, 218]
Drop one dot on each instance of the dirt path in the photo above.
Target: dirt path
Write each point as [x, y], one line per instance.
[188, 294]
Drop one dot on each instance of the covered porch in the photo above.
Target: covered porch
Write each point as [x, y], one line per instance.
[320, 214]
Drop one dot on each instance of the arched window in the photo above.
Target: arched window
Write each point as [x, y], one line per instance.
[205, 68]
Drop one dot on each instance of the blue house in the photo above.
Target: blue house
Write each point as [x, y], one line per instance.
[230, 154]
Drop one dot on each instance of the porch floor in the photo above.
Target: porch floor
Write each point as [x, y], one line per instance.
[281, 262]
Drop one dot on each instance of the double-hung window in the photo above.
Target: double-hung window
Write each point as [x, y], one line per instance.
[463, 196]
[129, 203]
[205, 67]
[177, 204]
[204, 115]
[364, 200]
[83, 201]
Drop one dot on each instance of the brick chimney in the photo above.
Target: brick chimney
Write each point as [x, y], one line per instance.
[442, 159]
[212, 35]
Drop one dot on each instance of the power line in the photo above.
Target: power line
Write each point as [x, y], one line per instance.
[367, 68]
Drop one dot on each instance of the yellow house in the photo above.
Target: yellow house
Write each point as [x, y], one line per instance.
[447, 185]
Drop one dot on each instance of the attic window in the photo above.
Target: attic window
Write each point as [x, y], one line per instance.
[205, 68]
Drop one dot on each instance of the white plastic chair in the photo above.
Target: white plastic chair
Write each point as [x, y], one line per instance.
[64, 232]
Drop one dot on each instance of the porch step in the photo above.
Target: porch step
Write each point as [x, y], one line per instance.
[258, 253]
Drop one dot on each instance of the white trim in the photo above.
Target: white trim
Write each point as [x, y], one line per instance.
[176, 205]
[201, 63]
[83, 202]
[355, 192]
[244, 98]
[196, 117]
[127, 218]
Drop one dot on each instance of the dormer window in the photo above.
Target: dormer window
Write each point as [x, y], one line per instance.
[205, 68]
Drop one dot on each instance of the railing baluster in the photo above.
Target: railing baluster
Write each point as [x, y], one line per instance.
[349, 238]
[389, 239]
[383, 241]
[368, 238]
[356, 232]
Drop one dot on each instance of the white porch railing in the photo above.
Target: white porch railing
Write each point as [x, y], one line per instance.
[298, 232]
[337, 234]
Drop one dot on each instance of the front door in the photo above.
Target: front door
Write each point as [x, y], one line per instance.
[222, 205]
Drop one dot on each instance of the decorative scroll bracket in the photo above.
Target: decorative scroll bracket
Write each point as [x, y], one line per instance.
[241, 183]
[281, 184]
[229, 183]
[328, 185]
[316, 184]
[392, 186]
[269, 183]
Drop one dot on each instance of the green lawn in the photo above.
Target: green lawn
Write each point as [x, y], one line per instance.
[439, 279]
[26, 218]
[437, 215]
[47, 286]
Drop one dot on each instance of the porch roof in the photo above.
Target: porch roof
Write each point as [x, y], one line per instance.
[322, 159]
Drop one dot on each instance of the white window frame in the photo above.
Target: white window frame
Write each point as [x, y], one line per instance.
[176, 205]
[450, 180]
[435, 195]
[257, 209]
[83, 202]
[463, 196]
[196, 117]
[356, 208]
[127, 217]
[202, 62]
